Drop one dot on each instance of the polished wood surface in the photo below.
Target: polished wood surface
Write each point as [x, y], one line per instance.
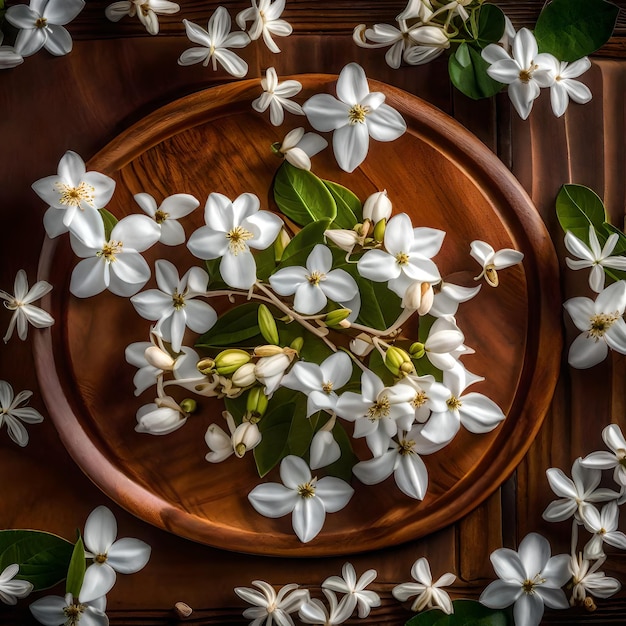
[109, 82]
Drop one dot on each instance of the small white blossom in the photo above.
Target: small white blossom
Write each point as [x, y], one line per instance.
[13, 415]
[356, 594]
[69, 611]
[616, 459]
[314, 611]
[276, 96]
[24, 312]
[603, 525]
[565, 87]
[298, 147]
[10, 589]
[377, 207]
[429, 594]
[270, 370]
[492, 261]
[430, 40]
[269, 606]
[161, 417]
[264, 15]
[242, 438]
[145, 10]
[167, 214]
[586, 579]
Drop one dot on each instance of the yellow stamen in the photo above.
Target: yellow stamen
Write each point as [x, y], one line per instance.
[109, 250]
[600, 323]
[315, 278]
[75, 196]
[379, 409]
[402, 258]
[327, 387]
[237, 238]
[453, 403]
[178, 300]
[160, 216]
[306, 491]
[357, 114]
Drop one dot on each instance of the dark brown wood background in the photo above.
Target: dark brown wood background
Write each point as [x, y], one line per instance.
[115, 75]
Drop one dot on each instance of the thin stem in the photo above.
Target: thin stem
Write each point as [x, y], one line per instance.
[402, 318]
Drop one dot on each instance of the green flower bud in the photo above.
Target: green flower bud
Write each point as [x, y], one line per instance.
[297, 344]
[282, 241]
[267, 325]
[229, 361]
[206, 366]
[398, 361]
[257, 402]
[417, 350]
[334, 318]
[189, 405]
[379, 230]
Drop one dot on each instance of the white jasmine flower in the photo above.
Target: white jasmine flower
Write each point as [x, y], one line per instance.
[430, 42]
[378, 412]
[167, 214]
[314, 611]
[145, 10]
[307, 498]
[603, 525]
[269, 606]
[10, 589]
[492, 261]
[586, 579]
[377, 207]
[13, 415]
[403, 461]
[8, 57]
[525, 71]
[406, 257]
[429, 594]
[614, 439]
[475, 411]
[41, 25]
[441, 345]
[109, 555]
[172, 305]
[161, 417]
[602, 325]
[69, 611]
[276, 96]
[24, 312]
[355, 117]
[151, 360]
[593, 256]
[448, 297]
[298, 147]
[114, 264]
[265, 15]
[73, 194]
[530, 578]
[320, 382]
[269, 370]
[565, 87]
[575, 493]
[214, 43]
[356, 593]
[425, 389]
[315, 283]
[232, 228]
[242, 438]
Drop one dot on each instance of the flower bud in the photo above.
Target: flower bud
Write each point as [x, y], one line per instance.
[344, 239]
[589, 604]
[377, 207]
[418, 297]
[417, 350]
[244, 376]
[335, 318]
[398, 361]
[257, 402]
[267, 325]
[297, 344]
[245, 437]
[379, 230]
[206, 366]
[158, 358]
[282, 241]
[361, 345]
[268, 350]
[189, 405]
[229, 361]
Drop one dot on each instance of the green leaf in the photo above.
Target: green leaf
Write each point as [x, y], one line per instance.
[43, 557]
[302, 196]
[233, 327]
[76, 570]
[265, 263]
[466, 613]
[342, 467]
[299, 248]
[490, 25]
[572, 29]
[577, 208]
[314, 348]
[349, 208]
[377, 365]
[109, 221]
[301, 430]
[468, 73]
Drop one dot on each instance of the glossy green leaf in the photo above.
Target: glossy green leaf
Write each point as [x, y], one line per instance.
[109, 221]
[76, 570]
[302, 196]
[265, 263]
[572, 29]
[299, 248]
[233, 327]
[468, 73]
[349, 208]
[577, 208]
[466, 613]
[377, 365]
[490, 24]
[43, 557]
[342, 467]
[314, 348]
[301, 430]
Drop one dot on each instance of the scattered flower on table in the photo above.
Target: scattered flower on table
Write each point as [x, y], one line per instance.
[276, 96]
[167, 214]
[146, 10]
[270, 607]
[586, 579]
[355, 593]
[564, 87]
[12, 414]
[429, 594]
[41, 25]
[492, 261]
[12, 590]
[315, 612]
[298, 147]
[354, 117]
[24, 312]
[265, 18]
[215, 43]
[69, 611]
[615, 460]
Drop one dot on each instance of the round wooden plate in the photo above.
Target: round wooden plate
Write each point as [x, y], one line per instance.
[438, 173]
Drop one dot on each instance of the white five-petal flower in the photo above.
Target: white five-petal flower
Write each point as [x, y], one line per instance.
[307, 498]
[69, 611]
[298, 147]
[109, 555]
[269, 606]
[276, 96]
[215, 43]
[565, 87]
[13, 415]
[265, 17]
[429, 594]
[356, 594]
[586, 579]
[355, 117]
[593, 256]
[167, 214]
[529, 578]
[41, 25]
[11, 589]
[145, 10]
[24, 312]
[616, 459]
[232, 228]
[492, 261]
[603, 525]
